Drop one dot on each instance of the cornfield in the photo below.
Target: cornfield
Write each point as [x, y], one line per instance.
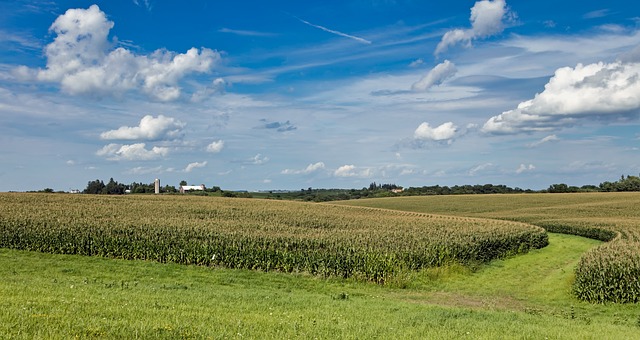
[608, 273]
[326, 240]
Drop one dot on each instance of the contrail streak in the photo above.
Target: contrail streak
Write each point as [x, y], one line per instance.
[358, 39]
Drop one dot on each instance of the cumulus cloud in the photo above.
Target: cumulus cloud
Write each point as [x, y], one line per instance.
[436, 76]
[309, 169]
[443, 133]
[586, 92]
[352, 171]
[487, 19]
[215, 146]
[522, 168]
[150, 128]
[131, 152]
[195, 165]
[550, 138]
[82, 59]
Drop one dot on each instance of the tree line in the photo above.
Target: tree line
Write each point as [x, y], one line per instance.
[112, 187]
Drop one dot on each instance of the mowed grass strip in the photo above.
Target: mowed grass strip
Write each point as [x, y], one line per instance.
[610, 273]
[330, 241]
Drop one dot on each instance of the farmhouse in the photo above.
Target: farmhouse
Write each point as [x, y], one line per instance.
[185, 188]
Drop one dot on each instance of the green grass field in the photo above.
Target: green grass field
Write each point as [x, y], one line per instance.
[524, 297]
[527, 296]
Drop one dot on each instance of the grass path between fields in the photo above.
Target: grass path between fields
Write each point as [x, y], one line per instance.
[540, 279]
[527, 296]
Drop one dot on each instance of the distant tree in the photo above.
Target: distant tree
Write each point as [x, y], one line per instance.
[628, 183]
[558, 188]
[94, 187]
[213, 189]
[589, 187]
[183, 182]
[113, 188]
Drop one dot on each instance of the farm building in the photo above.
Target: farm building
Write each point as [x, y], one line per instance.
[185, 188]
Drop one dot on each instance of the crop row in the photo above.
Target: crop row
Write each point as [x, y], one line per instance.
[608, 273]
[369, 244]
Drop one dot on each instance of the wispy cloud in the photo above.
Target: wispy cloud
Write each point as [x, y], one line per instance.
[596, 14]
[195, 165]
[246, 32]
[144, 3]
[358, 39]
[548, 139]
[18, 41]
[480, 168]
[309, 169]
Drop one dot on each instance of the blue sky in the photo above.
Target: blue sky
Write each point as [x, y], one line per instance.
[263, 95]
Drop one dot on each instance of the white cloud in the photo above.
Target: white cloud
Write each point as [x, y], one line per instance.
[482, 167]
[81, 60]
[150, 128]
[436, 76]
[405, 172]
[487, 19]
[195, 165]
[595, 91]
[246, 32]
[444, 132]
[352, 171]
[218, 86]
[416, 62]
[145, 3]
[522, 168]
[259, 159]
[132, 152]
[215, 146]
[309, 169]
[596, 14]
[550, 138]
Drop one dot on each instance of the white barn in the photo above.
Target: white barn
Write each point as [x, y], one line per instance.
[185, 188]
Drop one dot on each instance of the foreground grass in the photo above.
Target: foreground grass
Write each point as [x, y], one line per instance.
[61, 296]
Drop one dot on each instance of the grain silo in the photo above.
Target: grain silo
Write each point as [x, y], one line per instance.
[157, 186]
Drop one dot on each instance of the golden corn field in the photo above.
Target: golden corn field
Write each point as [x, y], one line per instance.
[609, 273]
[326, 240]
